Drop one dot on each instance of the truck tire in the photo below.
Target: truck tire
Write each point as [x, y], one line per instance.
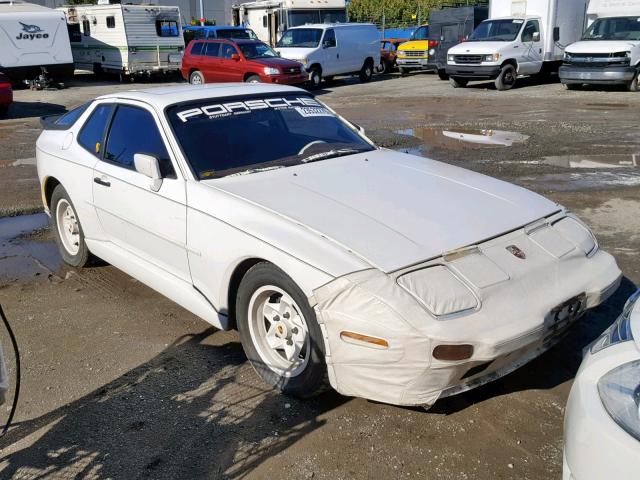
[315, 77]
[442, 74]
[366, 72]
[196, 78]
[507, 78]
[633, 86]
[279, 331]
[457, 82]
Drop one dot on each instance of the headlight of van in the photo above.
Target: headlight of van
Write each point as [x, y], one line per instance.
[620, 331]
[451, 58]
[491, 58]
[271, 71]
[620, 394]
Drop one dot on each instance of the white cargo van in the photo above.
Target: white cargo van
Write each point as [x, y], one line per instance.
[125, 39]
[33, 37]
[521, 37]
[331, 49]
[609, 52]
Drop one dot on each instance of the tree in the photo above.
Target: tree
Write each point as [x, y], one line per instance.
[407, 12]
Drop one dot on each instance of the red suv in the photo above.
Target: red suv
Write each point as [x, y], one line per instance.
[6, 94]
[207, 61]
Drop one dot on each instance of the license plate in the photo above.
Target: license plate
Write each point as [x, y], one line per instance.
[175, 58]
[566, 313]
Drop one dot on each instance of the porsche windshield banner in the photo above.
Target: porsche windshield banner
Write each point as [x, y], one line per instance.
[305, 106]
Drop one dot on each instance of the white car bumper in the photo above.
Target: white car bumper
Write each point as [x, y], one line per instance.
[512, 326]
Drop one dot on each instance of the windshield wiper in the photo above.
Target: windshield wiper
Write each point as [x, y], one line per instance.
[254, 170]
[339, 152]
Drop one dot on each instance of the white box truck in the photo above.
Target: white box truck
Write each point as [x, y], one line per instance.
[33, 38]
[609, 52]
[521, 37]
[125, 39]
[327, 49]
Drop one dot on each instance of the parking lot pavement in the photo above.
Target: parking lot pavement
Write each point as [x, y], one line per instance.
[120, 382]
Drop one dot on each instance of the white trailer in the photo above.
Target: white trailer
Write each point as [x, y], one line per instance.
[609, 52]
[33, 38]
[270, 18]
[521, 37]
[125, 39]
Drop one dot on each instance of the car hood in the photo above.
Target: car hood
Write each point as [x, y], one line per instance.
[478, 48]
[601, 46]
[389, 208]
[276, 62]
[295, 53]
[414, 45]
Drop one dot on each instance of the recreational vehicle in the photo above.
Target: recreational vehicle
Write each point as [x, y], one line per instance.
[33, 38]
[125, 39]
[270, 18]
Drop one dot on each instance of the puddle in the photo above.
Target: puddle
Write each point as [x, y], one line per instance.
[26, 249]
[459, 139]
[567, 182]
[607, 161]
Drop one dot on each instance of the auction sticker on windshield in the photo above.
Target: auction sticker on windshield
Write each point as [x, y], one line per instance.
[307, 107]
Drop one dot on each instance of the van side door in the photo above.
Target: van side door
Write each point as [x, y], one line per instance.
[530, 61]
[211, 63]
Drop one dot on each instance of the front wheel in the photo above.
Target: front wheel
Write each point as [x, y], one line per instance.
[366, 72]
[572, 86]
[253, 79]
[315, 77]
[196, 78]
[68, 230]
[403, 71]
[507, 78]
[442, 74]
[457, 82]
[633, 86]
[279, 331]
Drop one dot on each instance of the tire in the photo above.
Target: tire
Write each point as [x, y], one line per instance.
[633, 86]
[403, 71]
[315, 77]
[253, 79]
[507, 78]
[385, 67]
[366, 72]
[289, 320]
[442, 74]
[4, 110]
[98, 71]
[572, 86]
[457, 82]
[68, 229]
[196, 78]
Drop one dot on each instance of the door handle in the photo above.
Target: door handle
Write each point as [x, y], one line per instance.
[102, 182]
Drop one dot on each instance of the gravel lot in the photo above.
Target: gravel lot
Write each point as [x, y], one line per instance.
[120, 382]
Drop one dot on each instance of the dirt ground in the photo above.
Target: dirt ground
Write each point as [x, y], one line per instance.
[120, 382]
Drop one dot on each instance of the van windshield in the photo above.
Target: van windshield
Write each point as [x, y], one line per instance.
[497, 30]
[615, 28]
[300, 38]
[232, 136]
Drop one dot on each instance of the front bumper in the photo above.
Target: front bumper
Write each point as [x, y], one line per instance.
[480, 72]
[595, 447]
[421, 63]
[570, 74]
[286, 79]
[511, 328]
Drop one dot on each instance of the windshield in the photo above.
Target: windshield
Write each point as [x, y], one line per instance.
[421, 34]
[236, 33]
[300, 38]
[616, 28]
[257, 50]
[221, 137]
[497, 30]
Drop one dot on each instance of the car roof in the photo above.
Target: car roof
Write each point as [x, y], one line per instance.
[239, 41]
[332, 25]
[162, 97]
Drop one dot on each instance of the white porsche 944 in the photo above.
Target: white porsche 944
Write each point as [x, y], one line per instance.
[395, 277]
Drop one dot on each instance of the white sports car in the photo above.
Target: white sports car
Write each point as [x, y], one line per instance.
[602, 419]
[256, 207]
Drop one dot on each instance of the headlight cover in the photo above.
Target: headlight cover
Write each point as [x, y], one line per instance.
[619, 392]
[494, 57]
[574, 230]
[451, 58]
[439, 290]
[271, 71]
[620, 331]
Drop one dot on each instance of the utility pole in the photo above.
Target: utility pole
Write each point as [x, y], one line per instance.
[201, 14]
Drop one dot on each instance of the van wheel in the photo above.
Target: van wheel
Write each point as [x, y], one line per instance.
[196, 78]
[442, 74]
[572, 86]
[403, 71]
[457, 82]
[633, 86]
[68, 230]
[507, 78]
[366, 72]
[315, 77]
[279, 331]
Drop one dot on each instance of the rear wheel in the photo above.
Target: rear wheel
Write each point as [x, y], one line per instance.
[253, 79]
[507, 78]
[457, 82]
[279, 331]
[196, 78]
[366, 72]
[442, 74]
[68, 230]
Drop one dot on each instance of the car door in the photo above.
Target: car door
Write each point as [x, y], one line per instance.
[531, 54]
[231, 69]
[147, 224]
[211, 64]
[330, 53]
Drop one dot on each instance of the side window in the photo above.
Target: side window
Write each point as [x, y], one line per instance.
[228, 50]
[213, 49]
[86, 28]
[529, 29]
[196, 49]
[111, 22]
[167, 28]
[92, 132]
[75, 35]
[450, 33]
[70, 117]
[329, 38]
[134, 130]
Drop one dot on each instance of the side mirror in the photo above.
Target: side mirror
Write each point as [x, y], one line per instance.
[148, 166]
[235, 57]
[556, 34]
[535, 37]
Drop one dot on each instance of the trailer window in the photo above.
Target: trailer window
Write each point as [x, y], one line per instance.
[167, 28]
[111, 22]
[86, 28]
[333, 16]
